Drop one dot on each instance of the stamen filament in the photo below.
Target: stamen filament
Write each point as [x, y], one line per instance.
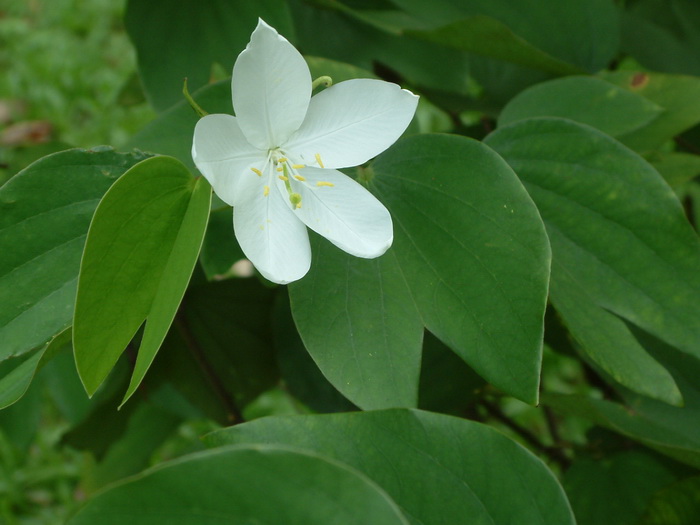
[298, 166]
[299, 178]
[256, 171]
[266, 191]
[284, 178]
[322, 183]
[318, 159]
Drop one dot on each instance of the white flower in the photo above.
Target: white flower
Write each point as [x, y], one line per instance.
[274, 161]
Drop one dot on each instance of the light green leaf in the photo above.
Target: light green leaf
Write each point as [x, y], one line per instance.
[359, 322]
[621, 245]
[676, 94]
[196, 36]
[245, 484]
[472, 249]
[469, 466]
[45, 211]
[141, 249]
[588, 100]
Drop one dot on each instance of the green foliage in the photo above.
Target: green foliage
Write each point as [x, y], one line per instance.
[527, 351]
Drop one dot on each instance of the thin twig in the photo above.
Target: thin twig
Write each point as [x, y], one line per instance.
[233, 413]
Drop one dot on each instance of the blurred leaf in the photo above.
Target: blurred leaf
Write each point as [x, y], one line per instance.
[584, 34]
[676, 167]
[676, 94]
[169, 52]
[472, 250]
[438, 469]
[678, 504]
[220, 249]
[359, 322]
[588, 100]
[615, 489]
[663, 36]
[46, 210]
[142, 246]
[271, 485]
[621, 246]
[486, 36]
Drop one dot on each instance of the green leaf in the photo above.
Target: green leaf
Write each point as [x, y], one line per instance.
[197, 35]
[359, 322]
[588, 100]
[676, 94]
[250, 484]
[16, 374]
[141, 249]
[488, 37]
[45, 211]
[469, 466]
[472, 249]
[554, 36]
[220, 250]
[615, 490]
[676, 505]
[621, 245]
[676, 167]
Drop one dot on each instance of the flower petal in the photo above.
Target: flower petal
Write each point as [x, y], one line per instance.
[353, 121]
[225, 158]
[274, 240]
[271, 88]
[344, 212]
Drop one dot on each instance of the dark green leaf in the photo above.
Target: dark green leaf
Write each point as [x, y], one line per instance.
[177, 39]
[253, 484]
[44, 218]
[142, 246]
[439, 469]
[678, 504]
[621, 246]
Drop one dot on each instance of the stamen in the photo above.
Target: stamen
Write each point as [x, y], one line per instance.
[266, 191]
[282, 159]
[282, 177]
[324, 183]
[299, 178]
[280, 169]
[256, 171]
[298, 166]
[318, 159]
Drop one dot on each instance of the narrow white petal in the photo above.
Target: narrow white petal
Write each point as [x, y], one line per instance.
[345, 213]
[274, 240]
[353, 121]
[225, 158]
[271, 88]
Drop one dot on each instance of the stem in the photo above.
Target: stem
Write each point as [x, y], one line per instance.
[193, 104]
[554, 453]
[233, 413]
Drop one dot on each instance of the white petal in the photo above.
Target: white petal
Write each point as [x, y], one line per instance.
[274, 240]
[225, 158]
[346, 213]
[353, 121]
[271, 88]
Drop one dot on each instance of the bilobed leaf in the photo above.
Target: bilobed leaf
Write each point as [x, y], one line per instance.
[621, 245]
[472, 249]
[44, 215]
[469, 466]
[360, 324]
[588, 100]
[141, 248]
[244, 484]
[169, 52]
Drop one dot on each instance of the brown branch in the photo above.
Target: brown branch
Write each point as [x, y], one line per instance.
[233, 413]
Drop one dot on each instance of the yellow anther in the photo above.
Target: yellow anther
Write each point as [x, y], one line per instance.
[256, 171]
[298, 166]
[282, 159]
[282, 177]
[324, 183]
[266, 191]
[299, 178]
[318, 159]
[280, 169]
